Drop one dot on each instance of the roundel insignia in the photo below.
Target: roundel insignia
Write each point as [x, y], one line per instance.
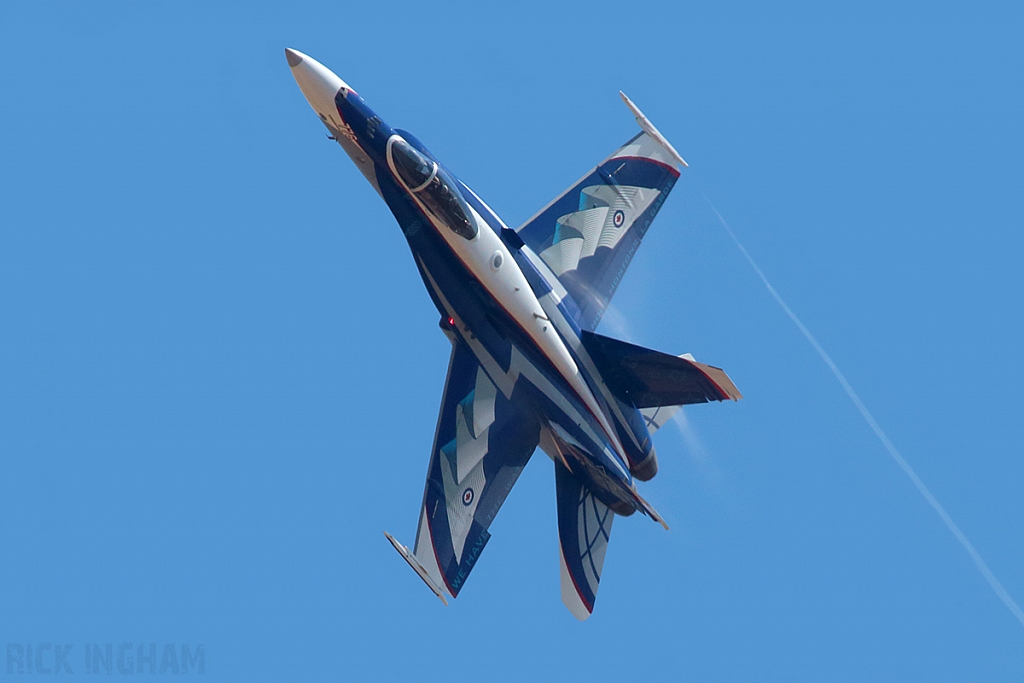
[467, 497]
[619, 218]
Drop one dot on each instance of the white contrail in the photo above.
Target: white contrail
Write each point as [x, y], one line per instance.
[614, 319]
[695, 448]
[904, 465]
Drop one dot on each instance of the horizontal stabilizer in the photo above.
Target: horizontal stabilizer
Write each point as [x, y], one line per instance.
[417, 567]
[648, 378]
[649, 510]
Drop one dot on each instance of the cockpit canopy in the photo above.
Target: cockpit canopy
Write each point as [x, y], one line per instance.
[432, 186]
[414, 169]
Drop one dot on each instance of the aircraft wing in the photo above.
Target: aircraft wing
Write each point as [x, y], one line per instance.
[588, 235]
[483, 441]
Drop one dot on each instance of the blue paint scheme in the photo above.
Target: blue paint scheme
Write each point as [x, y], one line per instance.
[517, 434]
[470, 301]
[595, 281]
[506, 390]
[584, 527]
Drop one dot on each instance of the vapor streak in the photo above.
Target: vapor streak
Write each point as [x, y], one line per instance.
[904, 465]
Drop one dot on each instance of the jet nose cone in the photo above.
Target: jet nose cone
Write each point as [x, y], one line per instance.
[318, 83]
[294, 57]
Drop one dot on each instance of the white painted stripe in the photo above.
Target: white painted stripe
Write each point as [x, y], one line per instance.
[520, 365]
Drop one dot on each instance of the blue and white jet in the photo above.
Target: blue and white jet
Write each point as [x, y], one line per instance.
[527, 368]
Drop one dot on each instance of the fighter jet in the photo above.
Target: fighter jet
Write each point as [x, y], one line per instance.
[527, 369]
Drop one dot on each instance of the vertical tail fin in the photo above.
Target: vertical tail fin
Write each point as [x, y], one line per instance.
[584, 525]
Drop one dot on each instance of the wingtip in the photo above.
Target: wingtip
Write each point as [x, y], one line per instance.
[416, 567]
[649, 128]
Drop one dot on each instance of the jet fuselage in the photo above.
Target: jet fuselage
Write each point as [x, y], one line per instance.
[492, 294]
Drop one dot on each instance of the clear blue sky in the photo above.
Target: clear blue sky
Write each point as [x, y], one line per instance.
[220, 373]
